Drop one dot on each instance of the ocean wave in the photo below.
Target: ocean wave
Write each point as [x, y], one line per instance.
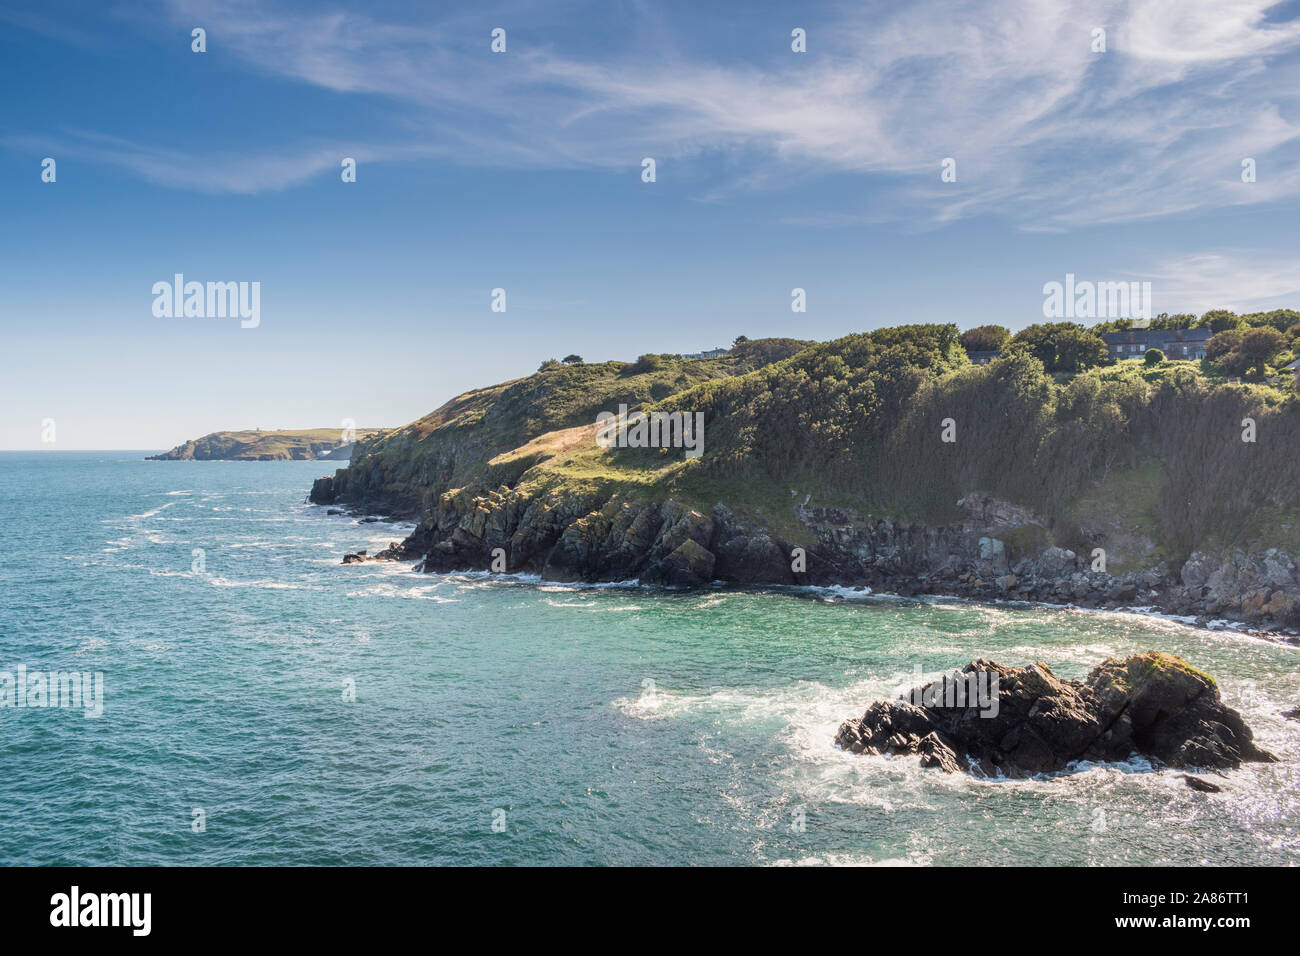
[262, 583]
[387, 589]
[149, 514]
[850, 860]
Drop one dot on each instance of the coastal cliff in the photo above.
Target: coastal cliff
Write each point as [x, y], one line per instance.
[283, 445]
[1124, 487]
[565, 536]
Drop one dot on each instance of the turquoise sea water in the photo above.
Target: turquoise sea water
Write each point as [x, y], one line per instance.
[610, 725]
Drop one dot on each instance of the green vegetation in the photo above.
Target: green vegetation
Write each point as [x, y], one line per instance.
[1063, 346]
[1147, 454]
[451, 447]
[985, 338]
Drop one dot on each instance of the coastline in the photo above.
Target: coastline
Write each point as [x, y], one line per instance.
[832, 593]
[566, 537]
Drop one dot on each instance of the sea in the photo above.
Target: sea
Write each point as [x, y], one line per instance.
[262, 703]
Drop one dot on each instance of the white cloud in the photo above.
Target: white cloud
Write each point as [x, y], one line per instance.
[1241, 280]
[1045, 131]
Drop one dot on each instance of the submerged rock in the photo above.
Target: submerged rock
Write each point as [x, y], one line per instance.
[1018, 721]
[1197, 783]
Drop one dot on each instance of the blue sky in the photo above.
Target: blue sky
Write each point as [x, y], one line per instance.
[522, 171]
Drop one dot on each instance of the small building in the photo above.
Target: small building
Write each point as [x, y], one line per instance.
[1294, 369]
[983, 358]
[1177, 344]
[711, 353]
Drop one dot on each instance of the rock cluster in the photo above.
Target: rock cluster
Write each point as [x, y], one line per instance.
[1151, 704]
[999, 551]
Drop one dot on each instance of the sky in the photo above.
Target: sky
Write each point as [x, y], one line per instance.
[522, 170]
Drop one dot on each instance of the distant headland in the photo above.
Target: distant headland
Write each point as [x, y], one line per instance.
[291, 444]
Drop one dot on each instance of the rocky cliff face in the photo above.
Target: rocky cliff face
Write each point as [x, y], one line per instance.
[565, 535]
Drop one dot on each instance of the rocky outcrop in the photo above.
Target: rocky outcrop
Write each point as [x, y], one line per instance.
[1019, 721]
[1257, 587]
[566, 536]
[998, 551]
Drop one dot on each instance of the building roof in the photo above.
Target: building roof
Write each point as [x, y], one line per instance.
[1156, 336]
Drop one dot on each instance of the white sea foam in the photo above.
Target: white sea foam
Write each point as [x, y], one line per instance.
[387, 589]
[268, 584]
[149, 514]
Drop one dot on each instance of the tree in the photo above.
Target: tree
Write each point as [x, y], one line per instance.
[1221, 320]
[548, 365]
[1260, 346]
[1279, 319]
[1235, 363]
[647, 363]
[1222, 343]
[1063, 346]
[1078, 349]
[738, 340]
[985, 338]
[1181, 320]
[572, 360]
[1153, 357]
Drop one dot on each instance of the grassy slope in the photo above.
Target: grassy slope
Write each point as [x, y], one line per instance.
[1131, 433]
[451, 446]
[1120, 504]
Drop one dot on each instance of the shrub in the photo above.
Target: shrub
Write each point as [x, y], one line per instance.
[1154, 357]
[1063, 346]
[647, 363]
[985, 338]
[1261, 345]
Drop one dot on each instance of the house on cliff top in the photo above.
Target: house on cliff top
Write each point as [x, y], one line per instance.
[1178, 344]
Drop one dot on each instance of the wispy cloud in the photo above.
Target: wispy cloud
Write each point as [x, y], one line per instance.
[1045, 131]
[1241, 280]
[212, 172]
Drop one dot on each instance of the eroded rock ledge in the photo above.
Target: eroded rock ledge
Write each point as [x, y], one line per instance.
[569, 534]
[1152, 704]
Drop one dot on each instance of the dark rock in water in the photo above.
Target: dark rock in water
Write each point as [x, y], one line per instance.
[1198, 783]
[1293, 713]
[393, 552]
[1019, 721]
[323, 491]
[334, 511]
